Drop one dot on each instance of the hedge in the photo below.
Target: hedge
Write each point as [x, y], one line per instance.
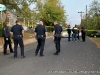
[89, 32]
[49, 28]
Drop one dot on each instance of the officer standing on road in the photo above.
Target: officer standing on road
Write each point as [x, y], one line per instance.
[7, 40]
[40, 34]
[18, 33]
[78, 34]
[69, 32]
[57, 36]
[83, 33]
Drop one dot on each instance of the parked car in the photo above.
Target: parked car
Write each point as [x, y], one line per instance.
[64, 33]
[95, 35]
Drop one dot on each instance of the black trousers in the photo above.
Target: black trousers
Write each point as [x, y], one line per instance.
[78, 36]
[18, 40]
[83, 36]
[69, 34]
[40, 46]
[6, 43]
[57, 44]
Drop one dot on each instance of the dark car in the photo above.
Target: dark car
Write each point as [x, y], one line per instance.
[95, 35]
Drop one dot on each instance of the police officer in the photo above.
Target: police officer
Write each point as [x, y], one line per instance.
[78, 35]
[40, 34]
[57, 36]
[83, 33]
[7, 40]
[18, 33]
[69, 32]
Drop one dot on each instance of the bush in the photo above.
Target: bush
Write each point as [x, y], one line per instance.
[49, 28]
[89, 32]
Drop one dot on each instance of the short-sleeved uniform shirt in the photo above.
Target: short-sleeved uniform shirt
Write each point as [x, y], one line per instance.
[17, 29]
[69, 30]
[57, 29]
[40, 30]
[83, 29]
[5, 32]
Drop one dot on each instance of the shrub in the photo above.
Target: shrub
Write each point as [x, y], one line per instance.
[89, 32]
[49, 28]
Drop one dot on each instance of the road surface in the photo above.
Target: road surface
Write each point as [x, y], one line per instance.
[76, 58]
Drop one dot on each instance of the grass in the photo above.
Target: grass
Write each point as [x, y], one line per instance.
[96, 41]
[49, 33]
[28, 35]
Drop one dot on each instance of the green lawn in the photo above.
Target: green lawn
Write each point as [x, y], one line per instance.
[96, 41]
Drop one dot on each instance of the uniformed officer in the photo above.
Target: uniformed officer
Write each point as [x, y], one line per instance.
[18, 33]
[40, 34]
[78, 35]
[69, 32]
[83, 33]
[7, 40]
[57, 36]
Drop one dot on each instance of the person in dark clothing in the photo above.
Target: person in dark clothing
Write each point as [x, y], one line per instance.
[78, 35]
[57, 37]
[18, 34]
[83, 33]
[40, 34]
[69, 32]
[75, 32]
[7, 40]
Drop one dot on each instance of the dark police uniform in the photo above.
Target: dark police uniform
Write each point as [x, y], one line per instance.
[78, 35]
[83, 33]
[57, 38]
[6, 35]
[40, 35]
[69, 33]
[18, 39]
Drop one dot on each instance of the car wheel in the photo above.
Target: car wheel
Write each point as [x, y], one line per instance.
[95, 36]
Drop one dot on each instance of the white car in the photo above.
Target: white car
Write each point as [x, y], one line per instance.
[65, 34]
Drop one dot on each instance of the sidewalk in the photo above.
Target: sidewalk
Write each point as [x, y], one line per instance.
[26, 42]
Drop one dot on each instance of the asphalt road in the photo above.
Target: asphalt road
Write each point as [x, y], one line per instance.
[76, 58]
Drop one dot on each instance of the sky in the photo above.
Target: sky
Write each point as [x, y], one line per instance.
[72, 7]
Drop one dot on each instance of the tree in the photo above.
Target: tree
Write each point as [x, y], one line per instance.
[93, 18]
[50, 10]
[46, 10]
[19, 7]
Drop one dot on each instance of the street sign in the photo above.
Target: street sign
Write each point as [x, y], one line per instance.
[2, 7]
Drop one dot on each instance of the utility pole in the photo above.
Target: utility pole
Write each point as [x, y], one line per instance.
[81, 15]
[86, 15]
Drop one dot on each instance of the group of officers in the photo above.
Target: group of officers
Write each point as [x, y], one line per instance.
[75, 33]
[40, 33]
[18, 33]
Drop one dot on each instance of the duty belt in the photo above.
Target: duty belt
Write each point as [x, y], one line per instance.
[57, 34]
[40, 36]
[19, 35]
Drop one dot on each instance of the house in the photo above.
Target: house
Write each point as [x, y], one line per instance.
[12, 17]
